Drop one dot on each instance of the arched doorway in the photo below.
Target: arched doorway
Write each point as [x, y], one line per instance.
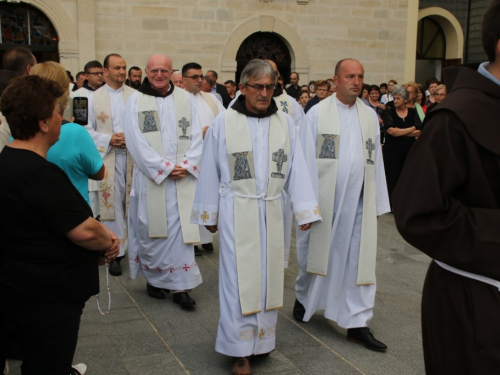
[25, 25]
[266, 46]
[440, 42]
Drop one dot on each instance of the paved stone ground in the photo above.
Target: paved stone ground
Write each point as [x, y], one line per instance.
[144, 336]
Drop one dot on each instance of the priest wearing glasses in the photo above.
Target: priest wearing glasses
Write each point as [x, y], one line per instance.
[251, 154]
[164, 139]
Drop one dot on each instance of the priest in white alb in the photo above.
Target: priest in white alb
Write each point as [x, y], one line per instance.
[106, 107]
[337, 258]
[251, 155]
[164, 138]
[208, 107]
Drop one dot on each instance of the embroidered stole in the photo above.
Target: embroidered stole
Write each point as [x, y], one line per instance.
[327, 153]
[283, 103]
[246, 210]
[104, 124]
[149, 125]
[210, 101]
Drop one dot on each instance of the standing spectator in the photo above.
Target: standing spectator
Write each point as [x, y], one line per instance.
[383, 89]
[322, 92]
[412, 102]
[388, 96]
[74, 152]
[231, 88]
[373, 102]
[402, 126]
[312, 88]
[17, 61]
[294, 88]
[439, 95]
[432, 83]
[420, 97]
[51, 245]
[303, 98]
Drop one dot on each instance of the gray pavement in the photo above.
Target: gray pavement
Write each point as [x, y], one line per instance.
[144, 336]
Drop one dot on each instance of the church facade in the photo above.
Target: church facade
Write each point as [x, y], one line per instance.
[304, 36]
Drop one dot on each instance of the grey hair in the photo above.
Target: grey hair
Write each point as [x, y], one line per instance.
[401, 91]
[208, 80]
[257, 69]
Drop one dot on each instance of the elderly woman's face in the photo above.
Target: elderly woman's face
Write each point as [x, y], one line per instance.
[399, 101]
[440, 95]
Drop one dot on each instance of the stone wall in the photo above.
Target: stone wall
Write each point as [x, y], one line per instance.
[373, 31]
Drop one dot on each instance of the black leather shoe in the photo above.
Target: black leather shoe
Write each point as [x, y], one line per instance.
[364, 336]
[115, 267]
[183, 299]
[197, 251]
[299, 311]
[208, 247]
[154, 292]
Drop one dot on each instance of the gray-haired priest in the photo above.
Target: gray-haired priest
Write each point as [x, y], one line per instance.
[164, 138]
[250, 155]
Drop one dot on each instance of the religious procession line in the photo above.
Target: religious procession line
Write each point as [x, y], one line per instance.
[315, 338]
[169, 348]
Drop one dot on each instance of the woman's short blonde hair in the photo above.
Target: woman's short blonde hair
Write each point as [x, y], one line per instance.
[412, 84]
[55, 72]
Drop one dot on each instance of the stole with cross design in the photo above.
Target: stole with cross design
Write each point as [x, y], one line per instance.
[104, 124]
[150, 127]
[246, 210]
[327, 153]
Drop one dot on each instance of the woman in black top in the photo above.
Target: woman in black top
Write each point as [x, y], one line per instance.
[51, 245]
[402, 126]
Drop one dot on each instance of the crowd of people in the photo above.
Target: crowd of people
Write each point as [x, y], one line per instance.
[159, 164]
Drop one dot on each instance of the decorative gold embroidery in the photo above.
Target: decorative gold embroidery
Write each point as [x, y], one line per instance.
[303, 215]
[261, 334]
[316, 211]
[205, 216]
[103, 117]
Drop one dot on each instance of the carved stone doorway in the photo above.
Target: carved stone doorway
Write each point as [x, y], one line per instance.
[266, 46]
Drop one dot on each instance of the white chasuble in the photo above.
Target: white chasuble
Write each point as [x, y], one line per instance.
[241, 335]
[104, 125]
[328, 142]
[211, 102]
[149, 125]
[239, 147]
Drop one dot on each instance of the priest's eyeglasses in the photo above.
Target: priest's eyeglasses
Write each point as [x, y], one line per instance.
[195, 76]
[259, 88]
[159, 71]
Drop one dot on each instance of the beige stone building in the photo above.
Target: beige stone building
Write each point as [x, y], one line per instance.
[309, 35]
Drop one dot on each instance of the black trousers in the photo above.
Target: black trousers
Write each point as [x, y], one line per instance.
[47, 331]
[394, 162]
